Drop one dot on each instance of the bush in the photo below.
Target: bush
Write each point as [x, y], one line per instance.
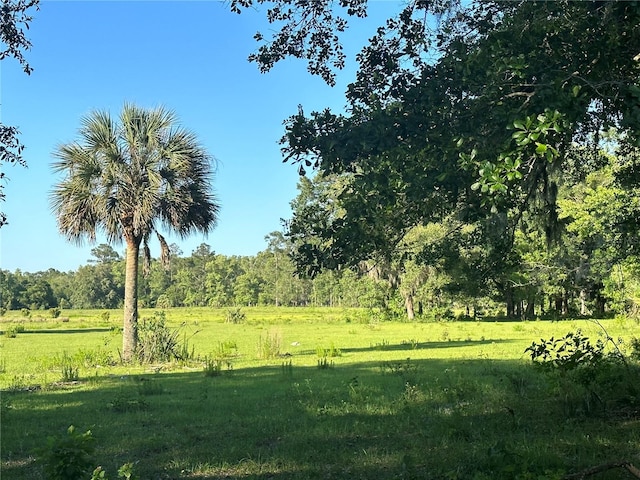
[14, 330]
[212, 366]
[585, 377]
[54, 312]
[69, 367]
[163, 302]
[69, 457]
[158, 343]
[332, 351]
[567, 353]
[222, 356]
[635, 349]
[235, 315]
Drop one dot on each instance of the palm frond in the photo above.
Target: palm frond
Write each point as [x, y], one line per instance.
[125, 177]
[165, 252]
[146, 258]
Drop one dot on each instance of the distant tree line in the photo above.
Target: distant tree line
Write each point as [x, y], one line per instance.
[587, 264]
[204, 278]
[441, 269]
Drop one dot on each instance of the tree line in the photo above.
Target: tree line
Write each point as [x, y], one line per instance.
[438, 270]
[203, 279]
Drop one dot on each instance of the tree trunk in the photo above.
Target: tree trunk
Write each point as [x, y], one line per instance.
[530, 311]
[509, 303]
[565, 303]
[408, 303]
[583, 302]
[130, 328]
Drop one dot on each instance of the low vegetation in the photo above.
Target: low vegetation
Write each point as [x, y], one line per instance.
[327, 393]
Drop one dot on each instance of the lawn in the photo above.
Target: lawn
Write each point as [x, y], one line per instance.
[317, 393]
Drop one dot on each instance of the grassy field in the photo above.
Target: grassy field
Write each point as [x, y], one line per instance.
[317, 394]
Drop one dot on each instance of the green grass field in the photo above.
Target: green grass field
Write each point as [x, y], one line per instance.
[451, 400]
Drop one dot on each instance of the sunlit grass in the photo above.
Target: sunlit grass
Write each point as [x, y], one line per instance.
[400, 400]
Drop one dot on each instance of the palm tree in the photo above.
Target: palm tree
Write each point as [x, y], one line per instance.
[128, 178]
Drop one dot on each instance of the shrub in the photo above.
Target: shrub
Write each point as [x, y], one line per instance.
[331, 352]
[25, 312]
[584, 377]
[223, 356]
[11, 332]
[163, 302]
[69, 457]
[635, 349]
[159, 343]
[566, 353]
[212, 366]
[235, 315]
[54, 312]
[324, 363]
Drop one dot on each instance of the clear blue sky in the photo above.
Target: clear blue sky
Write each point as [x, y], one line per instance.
[188, 56]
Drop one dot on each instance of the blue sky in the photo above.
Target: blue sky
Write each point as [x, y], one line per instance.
[188, 56]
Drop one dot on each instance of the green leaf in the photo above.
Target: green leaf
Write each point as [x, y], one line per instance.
[541, 148]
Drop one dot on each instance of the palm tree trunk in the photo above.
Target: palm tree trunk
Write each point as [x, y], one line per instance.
[130, 330]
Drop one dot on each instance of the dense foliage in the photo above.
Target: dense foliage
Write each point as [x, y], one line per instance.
[491, 141]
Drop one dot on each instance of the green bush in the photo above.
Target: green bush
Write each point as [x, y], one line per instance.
[158, 343]
[235, 315]
[69, 367]
[54, 312]
[212, 366]
[163, 302]
[567, 353]
[583, 376]
[331, 352]
[69, 457]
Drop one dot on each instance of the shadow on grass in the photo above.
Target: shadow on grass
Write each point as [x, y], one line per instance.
[426, 419]
[70, 330]
[409, 346]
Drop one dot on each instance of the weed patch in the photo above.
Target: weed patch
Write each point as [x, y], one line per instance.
[269, 345]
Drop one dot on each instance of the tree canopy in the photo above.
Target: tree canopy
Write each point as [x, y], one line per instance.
[473, 108]
[14, 19]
